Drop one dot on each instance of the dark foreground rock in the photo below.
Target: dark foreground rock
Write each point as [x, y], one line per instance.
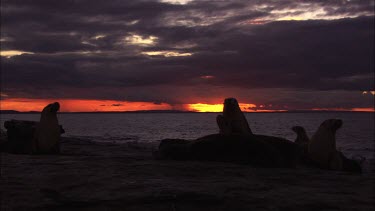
[255, 150]
[96, 177]
[20, 134]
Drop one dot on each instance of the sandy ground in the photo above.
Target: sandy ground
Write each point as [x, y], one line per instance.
[92, 176]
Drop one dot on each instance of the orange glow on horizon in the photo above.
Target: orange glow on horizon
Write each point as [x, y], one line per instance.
[245, 107]
[345, 109]
[80, 105]
[201, 107]
[364, 109]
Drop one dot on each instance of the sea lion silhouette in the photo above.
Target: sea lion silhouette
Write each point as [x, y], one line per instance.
[233, 120]
[47, 135]
[321, 150]
[322, 146]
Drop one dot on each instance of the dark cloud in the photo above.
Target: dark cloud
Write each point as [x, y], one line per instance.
[97, 50]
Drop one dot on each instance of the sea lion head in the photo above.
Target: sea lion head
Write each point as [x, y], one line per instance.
[298, 129]
[52, 108]
[302, 138]
[331, 124]
[231, 105]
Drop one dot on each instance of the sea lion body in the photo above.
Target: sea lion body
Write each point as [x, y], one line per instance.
[173, 149]
[233, 121]
[322, 146]
[321, 150]
[256, 150]
[47, 136]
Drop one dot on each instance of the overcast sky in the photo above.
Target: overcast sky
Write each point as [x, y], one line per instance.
[288, 54]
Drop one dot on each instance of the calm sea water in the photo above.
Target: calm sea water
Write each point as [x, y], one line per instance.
[355, 138]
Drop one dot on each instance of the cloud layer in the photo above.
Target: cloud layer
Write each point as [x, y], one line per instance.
[300, 54]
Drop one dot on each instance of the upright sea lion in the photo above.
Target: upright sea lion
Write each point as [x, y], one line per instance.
[47, 135]
[321, 150]
[322, 146]
[233, 121]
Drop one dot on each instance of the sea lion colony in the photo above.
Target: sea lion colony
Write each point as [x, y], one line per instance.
[30, 137]
[235, 142]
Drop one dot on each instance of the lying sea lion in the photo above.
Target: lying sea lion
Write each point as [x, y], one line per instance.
[173, 149]
[233, 120]
[237, 149]
[256, 150]
[47, 135]
[287, 149]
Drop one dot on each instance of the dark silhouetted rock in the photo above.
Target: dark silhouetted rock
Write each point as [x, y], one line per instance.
[20, 134]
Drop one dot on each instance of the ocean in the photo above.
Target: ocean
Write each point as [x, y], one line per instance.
[356, 138]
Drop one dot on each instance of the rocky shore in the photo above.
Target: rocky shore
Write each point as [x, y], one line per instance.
[99, 176]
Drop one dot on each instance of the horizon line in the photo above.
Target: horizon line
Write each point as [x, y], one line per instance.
[182, 111]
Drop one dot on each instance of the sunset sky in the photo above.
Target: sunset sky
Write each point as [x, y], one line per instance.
[187, 55]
